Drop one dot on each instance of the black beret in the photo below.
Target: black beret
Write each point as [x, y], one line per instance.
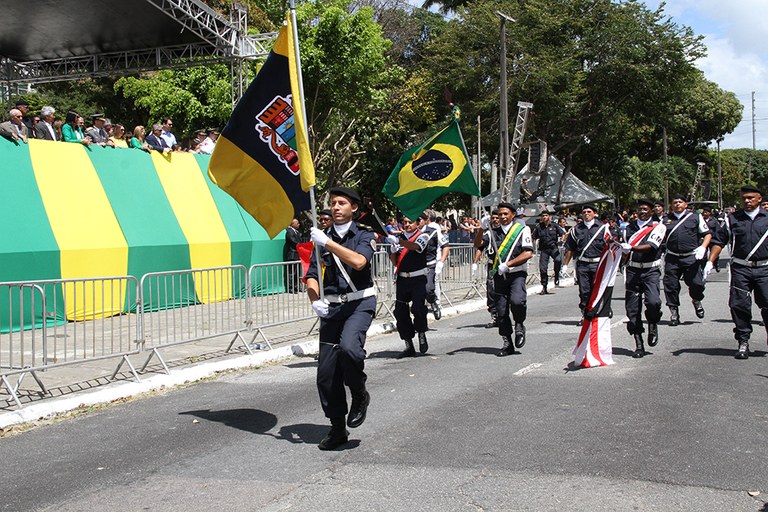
[680, 196]
[544, 212]
[750, 188]
[658, 202]
[325, 212]
[508, 206]
[645, 201]
[21, 103]
[590, 207]
[346, 192]
[706, 209]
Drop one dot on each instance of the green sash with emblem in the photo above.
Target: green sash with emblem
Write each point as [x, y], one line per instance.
[506, 245]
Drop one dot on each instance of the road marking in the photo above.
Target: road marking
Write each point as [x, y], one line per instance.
[527, 369]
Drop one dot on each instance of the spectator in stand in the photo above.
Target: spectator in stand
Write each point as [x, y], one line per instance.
[391, 227]
[14, 129]
[23, 107]
[44, 130]
[168, 137]
[205, 143]
[118, 136]
[57, 124]
[156, 141]
[98, 133]
[138, 142]
[72, 129]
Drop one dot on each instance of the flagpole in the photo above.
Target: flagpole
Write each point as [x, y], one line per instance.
[312, 200]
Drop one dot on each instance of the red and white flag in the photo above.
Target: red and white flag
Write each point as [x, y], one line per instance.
[594, 347]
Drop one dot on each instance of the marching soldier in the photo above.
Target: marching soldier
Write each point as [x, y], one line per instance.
[437, 252]
[643, 272]
[548, 233]
[659, 214]
[410, 262]
[586, 242]
[345, 312]
[514, 249]
[714, 227]
[483, 245]
[686, 245]
[746, 232]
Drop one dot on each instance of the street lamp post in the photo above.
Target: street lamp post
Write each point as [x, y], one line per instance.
[504, 114]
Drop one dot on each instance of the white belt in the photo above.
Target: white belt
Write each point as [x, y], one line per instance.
[650, 264]
[681, 255]
[432, 263]
[349, 297]
[750, 263]
[415, 273]
[588, 260]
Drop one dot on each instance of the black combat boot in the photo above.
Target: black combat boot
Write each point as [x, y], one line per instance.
[337, 436]
[423, 346]
[674, 316]
[698, 308]
[359, 408]
[493, 323]
[409, 350]
[507, 348]
[653, 335]
[519, 335]
[639, 349]
[743, 352]
[544, 282]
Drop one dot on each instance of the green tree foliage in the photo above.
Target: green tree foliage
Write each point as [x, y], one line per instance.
[737, 166]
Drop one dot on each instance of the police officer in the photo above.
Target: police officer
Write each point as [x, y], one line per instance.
[437, 253]
[713, 226]
[410, 262]
[345, 312]
[483, 245]
[548, 233]
[324, 219]
[659, 214]
[686, 245]
[643, 273]
[585, 244]
[746, 230]
[514, 248]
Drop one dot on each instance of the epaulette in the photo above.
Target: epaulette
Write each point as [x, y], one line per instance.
[365, 227]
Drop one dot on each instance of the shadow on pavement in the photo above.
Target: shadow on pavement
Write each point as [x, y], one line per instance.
[304, 364]
[309, 433]
[385, 354]
[619, 351]
[471, 326]
[249, 420]
[475, 350]
[716, 352]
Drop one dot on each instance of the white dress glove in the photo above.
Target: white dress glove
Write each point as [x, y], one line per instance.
[700, 252]
[321, 308]
[626, 248]
[392, 239]
[438, 267]
[707, 269]
[474, 268]
[485, 222]
[318, 236]
[503, 268]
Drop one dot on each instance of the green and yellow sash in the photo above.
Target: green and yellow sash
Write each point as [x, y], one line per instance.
[506, 245]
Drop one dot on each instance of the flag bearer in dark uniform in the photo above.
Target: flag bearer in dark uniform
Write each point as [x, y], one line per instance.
[585, 244]
[345, 312]
[515, 248]
[746, 232]
[686, 245]
[483, 244]
[410, 262]
[643, 273]
[548, 233]
[437, 253]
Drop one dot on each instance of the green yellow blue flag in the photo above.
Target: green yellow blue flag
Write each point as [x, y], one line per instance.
[262, 158]
[426, 172]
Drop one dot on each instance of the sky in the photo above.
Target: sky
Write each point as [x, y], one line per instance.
[735, 33]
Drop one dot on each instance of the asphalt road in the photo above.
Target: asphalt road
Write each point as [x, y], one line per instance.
[457, 429]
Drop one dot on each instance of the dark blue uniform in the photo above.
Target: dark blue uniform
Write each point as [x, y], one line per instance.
[548, 236]
[490, 253]
[434, 253]
[586, 244]
[683, 237]
[509, 289]
[412, 288]
[342, 333]
[643, 273]
[749, 269]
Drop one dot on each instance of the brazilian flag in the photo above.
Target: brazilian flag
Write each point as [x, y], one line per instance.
[428, 171]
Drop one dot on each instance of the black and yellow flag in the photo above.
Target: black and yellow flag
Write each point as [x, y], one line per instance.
[428, 171]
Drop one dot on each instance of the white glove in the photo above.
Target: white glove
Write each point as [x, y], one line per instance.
[321, 308]
[626, 248]
[485, 222]
[438, 267]
[700, 252]
[392, 239]
[318, 236]
[503, 268]
[707, 269]
[474, 268]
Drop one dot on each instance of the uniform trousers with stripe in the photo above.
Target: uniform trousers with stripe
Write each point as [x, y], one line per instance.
[744, 282]
[642, 286]
[687, 268]
[511, 297]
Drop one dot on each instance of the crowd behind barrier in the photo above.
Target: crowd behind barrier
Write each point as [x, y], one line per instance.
[42, 333]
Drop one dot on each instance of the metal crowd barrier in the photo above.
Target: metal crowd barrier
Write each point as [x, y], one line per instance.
[50, 323]
[182, 306]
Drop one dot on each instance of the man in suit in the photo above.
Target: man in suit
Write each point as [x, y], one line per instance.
[14, 130]
[155, 141]
[291, 254]
[44, 129]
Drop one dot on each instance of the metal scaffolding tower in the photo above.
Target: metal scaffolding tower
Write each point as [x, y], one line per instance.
[521, 123]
